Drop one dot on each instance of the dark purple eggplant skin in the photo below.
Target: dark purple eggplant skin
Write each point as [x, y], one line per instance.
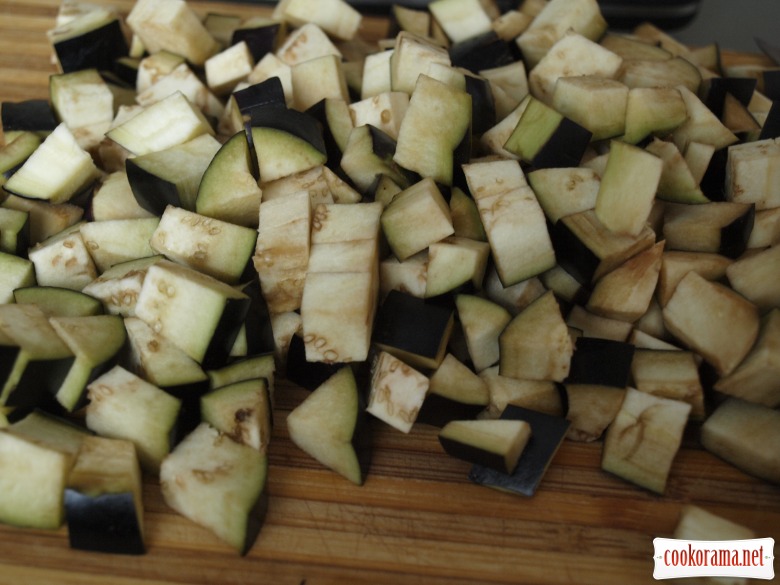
[547, 434]
[573, 254]
[734, 237]
[410, 324]
[105, 523]
[564, 148]
[713, 183]
[150, 191]
[483, 106]
[300, 124]
[299, 371]
[189, 412]
[472, 454]
[715, 91]
[601, 361]
[485, 51]
[95, 49]
[37, 387]
[259, 330]
[34, 115]
[268, 93]
[771, 127]
[771, 84]
[233, 316]
[438, 410]
[260, 40]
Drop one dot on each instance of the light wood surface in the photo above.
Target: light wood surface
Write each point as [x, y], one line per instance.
[417, 519]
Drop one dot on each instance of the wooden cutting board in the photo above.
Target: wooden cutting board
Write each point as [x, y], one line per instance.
[417, 519]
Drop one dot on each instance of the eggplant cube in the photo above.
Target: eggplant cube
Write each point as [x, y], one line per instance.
[601, 361]
[92, 40]
[573, 55]
[172, 295]
[103, 501]
[740, 432]
[397, 392]
[218, 484]
[757, 378]
[544, 138]
[497, 444]
[37, 454]
[415, 331]
[628, 188]
[751, 170]
[282, 250]
[416, 218]
[724, 341]
[124, 406]
[455, 392]
[15, 273]
[331, 425]
[242, 410]
[64, 260]
[482, 322]
[514, 222]
[547, 434]
[56, 171]
[215, 247]
[641, 443]
[536, 344]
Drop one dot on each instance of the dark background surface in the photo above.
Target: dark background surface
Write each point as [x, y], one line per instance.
[733, 24]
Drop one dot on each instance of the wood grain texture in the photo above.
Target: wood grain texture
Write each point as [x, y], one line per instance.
[417, 519]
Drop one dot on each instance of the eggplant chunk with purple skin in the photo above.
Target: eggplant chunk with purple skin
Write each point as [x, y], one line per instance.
[332, 425]
[103, 499]
[219, 484]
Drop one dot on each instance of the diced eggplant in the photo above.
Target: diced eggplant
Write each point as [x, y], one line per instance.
[670, 374]
[587, 250]
[756, 377]
[547, 434]
[103, 498]
[92, 40]
[241, 410]
[171, 294]
[739, 432]
[413, 330]
[723, 342]
[416, 218]
[591, 408]
[37, 455]
[753, 277]
[627, 291]
[482, 322]
[368, 154]
[124, 406]
[455, 392]
[536, 344]
[434, 155]
[115, 241]
[497, 444]
[537, 395]
[95, 341]
[219, 484]
[33, 115]
[627, 189]
[546, 138]
[332, 426]
[514, 222]
[15, 273]
[261, 35]
[56, 171]
[720, 227]
[59, 302]
[601, 361]
[397, 392]
[172, 26]
[482, 51]
[171, 176]
[642, 442]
